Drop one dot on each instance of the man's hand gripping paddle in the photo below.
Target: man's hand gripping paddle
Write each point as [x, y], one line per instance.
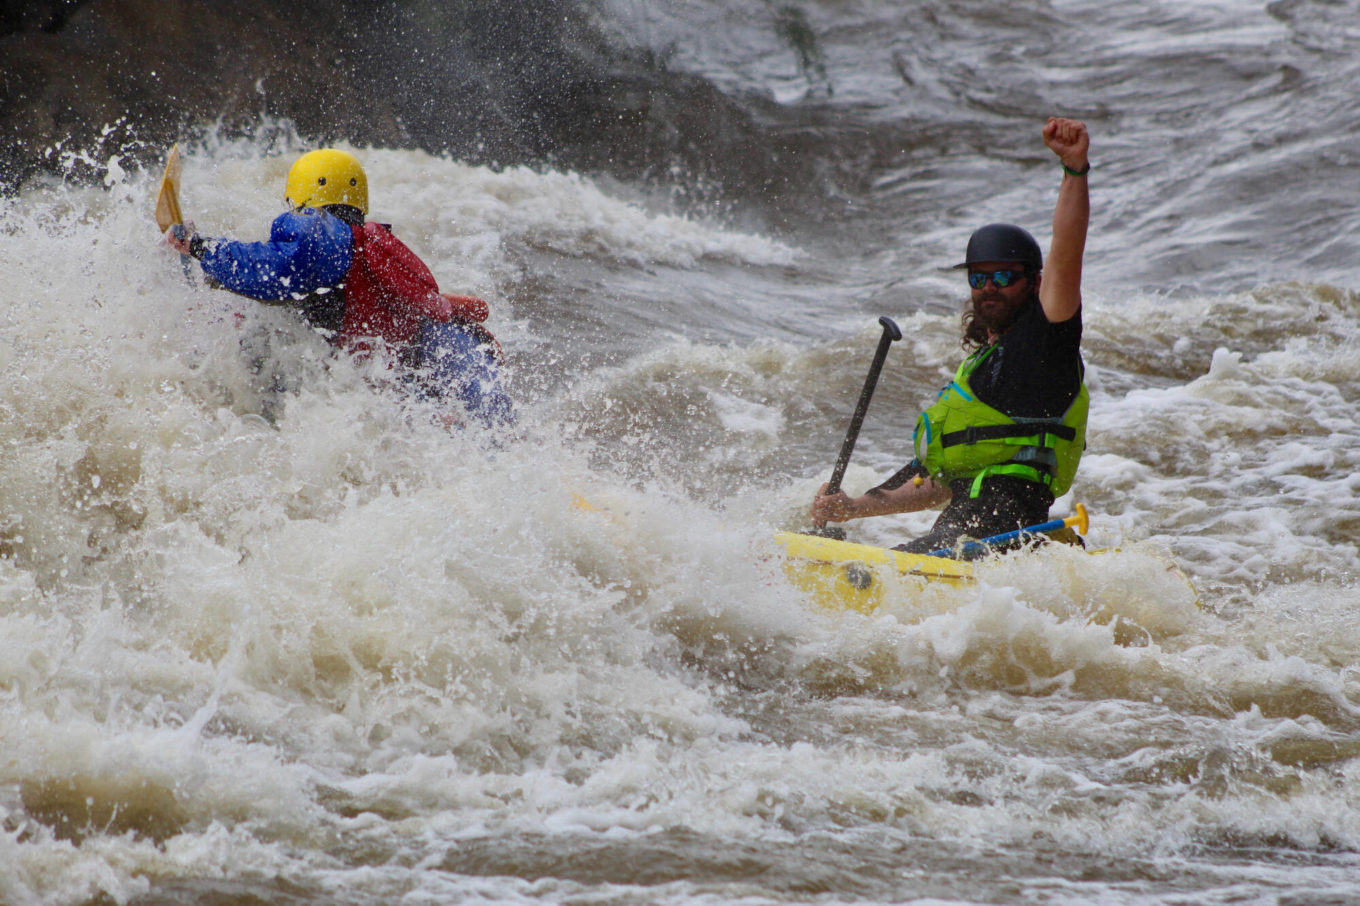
[891, 334]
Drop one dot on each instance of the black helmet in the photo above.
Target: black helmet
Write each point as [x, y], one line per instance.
[1003, 242]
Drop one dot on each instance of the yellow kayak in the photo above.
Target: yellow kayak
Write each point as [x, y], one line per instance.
[842, 575]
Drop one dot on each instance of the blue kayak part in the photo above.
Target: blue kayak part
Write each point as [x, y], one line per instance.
[306, 251]
[457, 360]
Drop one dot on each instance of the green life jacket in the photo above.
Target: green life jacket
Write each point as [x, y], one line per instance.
[962, 437]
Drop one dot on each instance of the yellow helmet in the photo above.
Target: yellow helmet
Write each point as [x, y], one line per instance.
[324, 177]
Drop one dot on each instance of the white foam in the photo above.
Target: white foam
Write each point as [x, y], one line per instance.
[354, 625]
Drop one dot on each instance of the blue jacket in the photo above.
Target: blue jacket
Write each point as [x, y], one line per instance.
[311, 250]
[306, 251]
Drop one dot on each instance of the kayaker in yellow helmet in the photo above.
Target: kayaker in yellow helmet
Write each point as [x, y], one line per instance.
[1004, 437]
[353, 279]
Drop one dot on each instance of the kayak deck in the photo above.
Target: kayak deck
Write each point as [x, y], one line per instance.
[842, 575]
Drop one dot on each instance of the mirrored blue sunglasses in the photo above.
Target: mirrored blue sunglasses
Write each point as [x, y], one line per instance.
[1002, 278]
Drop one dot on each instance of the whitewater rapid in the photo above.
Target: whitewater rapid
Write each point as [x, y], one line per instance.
[268, 631]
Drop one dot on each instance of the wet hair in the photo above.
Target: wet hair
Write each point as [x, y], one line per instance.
[974, 334]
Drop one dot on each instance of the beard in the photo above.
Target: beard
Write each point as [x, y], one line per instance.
[995, 314]
[992, 314]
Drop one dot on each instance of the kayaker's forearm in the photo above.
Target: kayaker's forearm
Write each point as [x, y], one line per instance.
[1062, 276]
[907, 499]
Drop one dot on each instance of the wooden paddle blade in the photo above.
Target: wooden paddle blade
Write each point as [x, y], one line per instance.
[167, 200]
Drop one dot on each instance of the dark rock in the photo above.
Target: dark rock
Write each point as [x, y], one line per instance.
[517, 81]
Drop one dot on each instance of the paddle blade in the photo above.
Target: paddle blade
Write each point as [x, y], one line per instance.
[167, 200]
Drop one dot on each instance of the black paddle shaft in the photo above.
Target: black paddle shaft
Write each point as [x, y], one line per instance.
[891, 333]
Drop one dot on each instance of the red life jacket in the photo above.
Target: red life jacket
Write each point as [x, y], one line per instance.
[388, 291]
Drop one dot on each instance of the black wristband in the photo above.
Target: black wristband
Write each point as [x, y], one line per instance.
[196, 243]
[1082, 172]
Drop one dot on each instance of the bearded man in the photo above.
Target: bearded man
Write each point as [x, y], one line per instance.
[1003, 439]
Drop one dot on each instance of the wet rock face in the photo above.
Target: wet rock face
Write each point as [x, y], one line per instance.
[139, 70]
[43, 15]
[518, 81]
